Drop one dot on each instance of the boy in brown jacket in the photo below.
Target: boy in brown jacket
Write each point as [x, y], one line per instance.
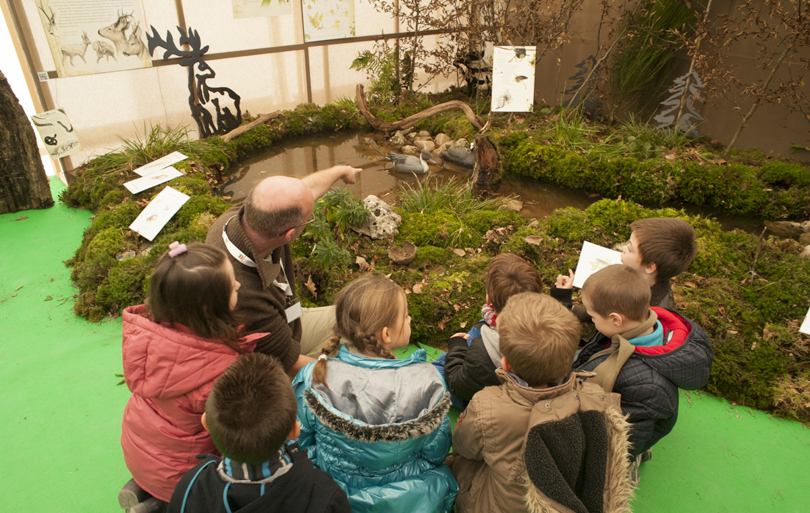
[543, 440]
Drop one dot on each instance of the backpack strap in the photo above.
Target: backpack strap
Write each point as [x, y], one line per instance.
[619, 352]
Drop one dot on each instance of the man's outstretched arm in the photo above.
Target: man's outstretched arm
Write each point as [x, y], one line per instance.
[319, 183]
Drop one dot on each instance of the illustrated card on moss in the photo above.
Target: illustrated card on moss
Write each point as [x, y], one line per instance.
[158, 212]
[592, 259]
[805, 328]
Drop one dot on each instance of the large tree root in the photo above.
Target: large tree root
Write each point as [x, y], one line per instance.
[410, 121]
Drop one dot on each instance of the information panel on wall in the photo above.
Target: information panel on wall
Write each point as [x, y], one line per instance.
[513, 78]
[94, 36]
[327, 19]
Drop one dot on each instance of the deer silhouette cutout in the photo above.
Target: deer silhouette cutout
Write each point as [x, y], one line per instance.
[200, 93]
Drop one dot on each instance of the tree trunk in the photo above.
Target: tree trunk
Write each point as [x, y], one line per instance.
[23, 184]
[487, 162]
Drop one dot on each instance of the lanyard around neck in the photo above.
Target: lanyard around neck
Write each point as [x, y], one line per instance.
[246, 260]
[233, 250]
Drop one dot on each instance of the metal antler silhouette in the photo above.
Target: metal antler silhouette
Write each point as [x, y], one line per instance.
[200, 93]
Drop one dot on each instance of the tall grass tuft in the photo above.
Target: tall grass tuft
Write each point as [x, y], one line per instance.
[645, 58]
[457, 196]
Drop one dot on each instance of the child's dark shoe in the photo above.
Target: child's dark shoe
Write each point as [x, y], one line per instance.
[150, 505]
[131, 494]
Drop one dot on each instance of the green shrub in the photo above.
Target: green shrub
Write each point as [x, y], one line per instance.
[441, 229]
[775, 172]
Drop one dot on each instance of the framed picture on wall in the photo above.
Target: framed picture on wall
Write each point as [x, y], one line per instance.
[95, 36]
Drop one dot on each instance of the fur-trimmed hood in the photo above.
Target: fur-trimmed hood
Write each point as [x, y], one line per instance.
[413, 428]
[380, 428]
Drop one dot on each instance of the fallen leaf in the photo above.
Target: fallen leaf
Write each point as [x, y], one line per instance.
[691, 284]
[459, 252]
[534, 240]
[48, 298]
[18, 288]
[310, 285]
[20, 218]
[51, 279]
[417, 288]
[440, 324]
[14, 295]
[456, 308]
[362, 263]
[463, 324]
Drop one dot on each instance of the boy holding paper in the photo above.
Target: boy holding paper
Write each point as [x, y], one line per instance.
[660, 248]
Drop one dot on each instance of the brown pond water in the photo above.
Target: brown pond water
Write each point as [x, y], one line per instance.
[305, 155]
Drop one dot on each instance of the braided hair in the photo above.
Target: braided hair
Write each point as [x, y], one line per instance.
[363, 308]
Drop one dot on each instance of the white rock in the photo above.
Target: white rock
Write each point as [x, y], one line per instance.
[424, 133]
[806, 252]
[425, 145]
[383, 221]
[411, 150]
[441, 139]
[514, 205]
[398, 139]
[462, 143]
[126, 255]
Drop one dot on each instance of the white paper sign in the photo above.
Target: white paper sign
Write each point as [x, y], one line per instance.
[57, 133]
[260, 8]
[592, 259]
[161, 163]
[149, 181]
[158, 212]
[513, 78]
[805, 328]
[327, 19]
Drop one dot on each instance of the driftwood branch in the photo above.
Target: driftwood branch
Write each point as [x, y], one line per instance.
[416, 118]
[236, 132]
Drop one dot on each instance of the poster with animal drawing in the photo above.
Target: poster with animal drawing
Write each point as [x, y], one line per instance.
[261, 8]
[591, 259]
[513, 78]
[95, 36]
[805, 328]
[57, 133]
[158, 212]
[327, 19]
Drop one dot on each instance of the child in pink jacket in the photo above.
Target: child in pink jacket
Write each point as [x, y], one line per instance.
[174, 348]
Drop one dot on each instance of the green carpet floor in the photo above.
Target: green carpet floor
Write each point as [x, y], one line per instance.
[61, 407]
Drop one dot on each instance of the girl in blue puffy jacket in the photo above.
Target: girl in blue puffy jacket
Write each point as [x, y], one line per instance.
[378, 425]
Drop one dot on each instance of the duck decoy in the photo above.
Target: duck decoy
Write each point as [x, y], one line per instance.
[461, 156]
[411, 164]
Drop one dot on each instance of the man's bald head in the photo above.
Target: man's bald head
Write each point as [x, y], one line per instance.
[277, 204]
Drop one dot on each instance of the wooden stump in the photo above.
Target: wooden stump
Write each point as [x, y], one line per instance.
[487, 162]
[23, 183]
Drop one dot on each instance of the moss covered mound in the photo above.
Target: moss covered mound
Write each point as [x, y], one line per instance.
[772, 190]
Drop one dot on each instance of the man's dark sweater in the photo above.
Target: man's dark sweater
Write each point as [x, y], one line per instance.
[261, 305]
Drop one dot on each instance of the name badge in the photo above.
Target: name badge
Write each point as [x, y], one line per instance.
[294, 312]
